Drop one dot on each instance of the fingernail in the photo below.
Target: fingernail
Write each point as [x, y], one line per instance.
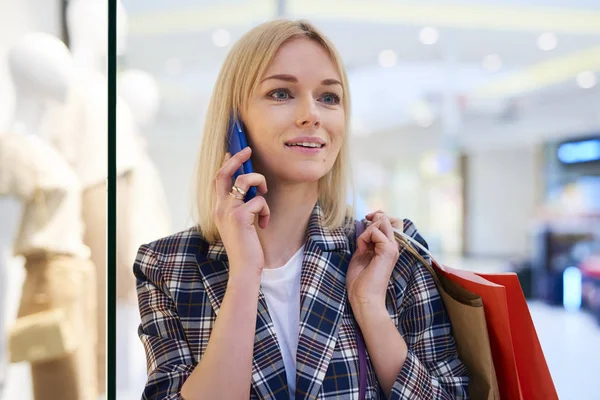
[246, 149]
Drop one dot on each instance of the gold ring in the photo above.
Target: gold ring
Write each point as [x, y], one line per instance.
[237, 189]
[235, 196]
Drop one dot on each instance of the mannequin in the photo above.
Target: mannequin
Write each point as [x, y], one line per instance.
[140, 91]
[79, 131]
[59, 275]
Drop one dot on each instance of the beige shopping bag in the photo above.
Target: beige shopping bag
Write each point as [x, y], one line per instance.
[469, 327]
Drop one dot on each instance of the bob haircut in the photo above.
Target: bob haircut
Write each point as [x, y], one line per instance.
[238, 78]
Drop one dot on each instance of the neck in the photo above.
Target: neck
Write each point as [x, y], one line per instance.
[290, 207]
[27, 117]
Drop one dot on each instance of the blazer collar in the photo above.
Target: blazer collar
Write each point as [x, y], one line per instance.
[323, 301]
[328, 240]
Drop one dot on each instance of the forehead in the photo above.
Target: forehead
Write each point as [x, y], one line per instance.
[305, 59]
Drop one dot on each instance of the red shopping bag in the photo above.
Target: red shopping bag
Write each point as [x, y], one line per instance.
[519, 362]
[534, 375]
[498, 323]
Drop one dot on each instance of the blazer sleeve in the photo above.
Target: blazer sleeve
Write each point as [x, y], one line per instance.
[432, 369]
[168, 356]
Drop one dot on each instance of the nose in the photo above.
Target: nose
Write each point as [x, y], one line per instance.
[308, 115]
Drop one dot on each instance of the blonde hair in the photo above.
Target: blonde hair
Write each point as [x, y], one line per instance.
[239, 76]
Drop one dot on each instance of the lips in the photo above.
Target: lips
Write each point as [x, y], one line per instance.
[306, 142]
[305, 150]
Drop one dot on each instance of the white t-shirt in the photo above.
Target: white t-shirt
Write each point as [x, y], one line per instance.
[281, 287]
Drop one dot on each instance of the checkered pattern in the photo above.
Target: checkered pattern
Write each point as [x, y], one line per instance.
[181, 281]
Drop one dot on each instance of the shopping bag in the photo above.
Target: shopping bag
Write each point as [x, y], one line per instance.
[534, 375]
[467, 318]
[520, 365]
[498, 323]
[469, 328]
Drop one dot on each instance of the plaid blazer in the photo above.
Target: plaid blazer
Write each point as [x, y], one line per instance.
[181, 281]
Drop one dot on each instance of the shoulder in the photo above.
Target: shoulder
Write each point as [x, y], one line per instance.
[167, 258]
[187, 241]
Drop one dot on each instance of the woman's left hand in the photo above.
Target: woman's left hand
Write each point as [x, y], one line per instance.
[372, 264]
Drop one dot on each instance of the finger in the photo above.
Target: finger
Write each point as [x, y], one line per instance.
[373, 236]
[367, 233]
[246, 181]
[225, 174]
[381, 244]
[370, 215]
[385, 226]
[377, 216]
[226, 157]
[397, 223]
[259, 207]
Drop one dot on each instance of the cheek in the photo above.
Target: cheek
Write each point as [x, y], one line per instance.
[337, 139]
[336, 127]
[264, 124]
[257, 127]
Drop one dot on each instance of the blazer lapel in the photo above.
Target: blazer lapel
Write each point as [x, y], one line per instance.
[323, 300]
[268, 371]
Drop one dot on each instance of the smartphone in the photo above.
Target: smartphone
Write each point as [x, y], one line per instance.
[238, 142]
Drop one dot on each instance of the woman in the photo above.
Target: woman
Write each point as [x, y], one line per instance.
[278, 270]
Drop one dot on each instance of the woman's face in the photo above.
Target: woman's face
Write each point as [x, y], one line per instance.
[295, 119]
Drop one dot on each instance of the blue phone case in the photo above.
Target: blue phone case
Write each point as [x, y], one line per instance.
[237, 142]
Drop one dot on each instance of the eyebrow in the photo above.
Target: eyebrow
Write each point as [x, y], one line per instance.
[293, 79]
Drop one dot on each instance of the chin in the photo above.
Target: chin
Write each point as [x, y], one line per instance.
[303, 175]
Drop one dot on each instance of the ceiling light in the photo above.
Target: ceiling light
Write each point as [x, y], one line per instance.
[220, 37]
[429, 35]
[547, 41]
[586, 79]
[549, 72]
[387, 58]
[492, 63]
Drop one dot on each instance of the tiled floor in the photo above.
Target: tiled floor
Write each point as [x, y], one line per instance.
[571, 342]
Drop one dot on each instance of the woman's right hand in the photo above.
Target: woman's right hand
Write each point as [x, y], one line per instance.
[235, 219]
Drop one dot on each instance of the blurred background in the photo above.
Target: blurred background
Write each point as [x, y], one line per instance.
[478, 120]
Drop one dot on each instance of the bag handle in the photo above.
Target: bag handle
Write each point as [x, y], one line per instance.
[403, 239]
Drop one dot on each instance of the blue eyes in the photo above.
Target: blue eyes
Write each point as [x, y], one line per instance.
[331, 99]
[279, 94]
